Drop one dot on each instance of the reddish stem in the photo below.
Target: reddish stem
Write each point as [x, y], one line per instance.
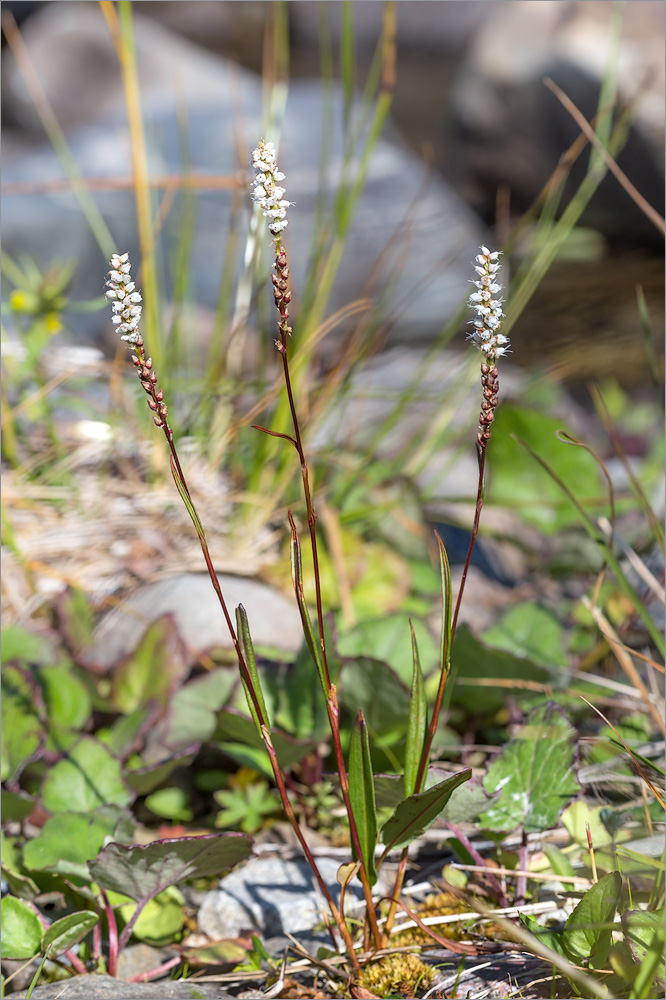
[331, 694]
[145, 977]
[113, 934]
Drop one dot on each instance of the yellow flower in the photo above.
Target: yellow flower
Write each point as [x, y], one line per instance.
[53, 324]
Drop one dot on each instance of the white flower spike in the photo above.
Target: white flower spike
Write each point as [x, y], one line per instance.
[485, 334]
[265, 188]
[125, 301]
[488, 307]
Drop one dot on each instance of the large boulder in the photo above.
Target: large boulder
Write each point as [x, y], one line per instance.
[192, 97]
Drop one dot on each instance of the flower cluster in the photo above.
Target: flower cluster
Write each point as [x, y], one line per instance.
[489, 317]
[486, 335]
[126, 305]
[125, 300]
[266, 189]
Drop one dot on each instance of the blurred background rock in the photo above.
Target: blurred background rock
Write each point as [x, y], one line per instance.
[469, 98]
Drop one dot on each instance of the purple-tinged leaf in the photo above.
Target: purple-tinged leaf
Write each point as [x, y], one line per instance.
[141, 871]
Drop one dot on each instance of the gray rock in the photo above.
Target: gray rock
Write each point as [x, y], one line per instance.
[190, 598]
[138, 959]
[431, 252]
[273, 896]
[95, 987]
[509, 129]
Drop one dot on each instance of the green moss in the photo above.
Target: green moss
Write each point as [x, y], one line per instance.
[396, 976]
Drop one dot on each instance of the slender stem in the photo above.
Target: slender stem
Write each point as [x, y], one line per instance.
[472, 851]
[521, 884]
[331, 699]
[475, 532]
[443, 677]
[145, 977]
[395, 895]
[113, 934]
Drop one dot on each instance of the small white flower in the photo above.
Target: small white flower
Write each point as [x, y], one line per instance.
[265, 190]
[125, 300]
[489, 312]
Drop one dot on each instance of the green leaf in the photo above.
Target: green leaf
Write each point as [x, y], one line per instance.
[373, 687]
[170, 803]
[585, 939]
[88, 777]
[21, 929]
[27, 647]
[13, 869]
[235, 728]
[418, 721]
[559, 862]
[552, 939]
[15, 806]
[531, 632]
[140, 872]
[362, 795]
[467, 800]
[68, 702]
[21, 730]
[644, 933]
[153, 671]
[191, 715]
[533, 775]
[144, 779]
[68, 841]
[160, 919]
[295, 691]
[517, 482]
[578, 816]
[247, 806]
[254, 685]
[76, 620]
[415, 814]
[228, 951]
[63, 934]
[389, 639]
[474, 661]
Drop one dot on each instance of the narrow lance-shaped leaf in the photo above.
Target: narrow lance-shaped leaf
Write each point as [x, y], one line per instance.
[447, 609]
[297, 580]
[418, 720]
[185, 497]
[415, 814]
[362, 795]
[245, 640]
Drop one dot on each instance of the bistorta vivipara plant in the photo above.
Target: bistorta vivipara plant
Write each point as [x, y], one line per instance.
[419, 808]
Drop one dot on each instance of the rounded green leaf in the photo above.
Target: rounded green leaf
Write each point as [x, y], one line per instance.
[88, 777]
[140, 872]
[68, 841]
[21, 929]
[21, 732]
[67, 700]
[63, 934]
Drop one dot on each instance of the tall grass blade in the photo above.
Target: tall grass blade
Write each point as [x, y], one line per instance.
[597, 536]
